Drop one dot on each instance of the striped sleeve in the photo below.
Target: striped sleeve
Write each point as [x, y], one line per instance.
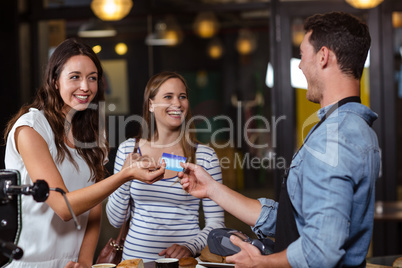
[118, 202]
[214, 214]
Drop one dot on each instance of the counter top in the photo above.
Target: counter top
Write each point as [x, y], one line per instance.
[388, 210]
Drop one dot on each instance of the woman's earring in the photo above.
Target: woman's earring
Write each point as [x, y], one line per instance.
[151, 110]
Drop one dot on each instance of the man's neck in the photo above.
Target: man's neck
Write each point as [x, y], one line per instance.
[344, 89]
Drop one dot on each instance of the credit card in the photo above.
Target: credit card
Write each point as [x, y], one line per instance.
[173, 161]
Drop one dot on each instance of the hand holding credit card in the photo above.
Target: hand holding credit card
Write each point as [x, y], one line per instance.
[173, 161]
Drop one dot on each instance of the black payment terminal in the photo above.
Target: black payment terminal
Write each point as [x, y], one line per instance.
[219, 242]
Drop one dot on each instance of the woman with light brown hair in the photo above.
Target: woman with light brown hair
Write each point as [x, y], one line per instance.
[165, 220]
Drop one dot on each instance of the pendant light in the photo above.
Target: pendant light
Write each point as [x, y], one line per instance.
[246, 42]
[206, 25]
[215, 49]
[96, 28]
[167, 33]
[111, 10]
[397, 19]
[364, 4]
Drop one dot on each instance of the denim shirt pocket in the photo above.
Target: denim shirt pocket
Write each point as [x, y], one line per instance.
[294, 175]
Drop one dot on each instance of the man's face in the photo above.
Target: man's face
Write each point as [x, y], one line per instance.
[309, 65]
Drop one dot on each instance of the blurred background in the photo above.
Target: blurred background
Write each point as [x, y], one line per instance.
[240, 59]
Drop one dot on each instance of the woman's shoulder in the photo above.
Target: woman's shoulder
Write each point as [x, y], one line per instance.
[127, 145]
[32, 115]
[35, 119]
[207, 157]
[205, 152]
[202, 148]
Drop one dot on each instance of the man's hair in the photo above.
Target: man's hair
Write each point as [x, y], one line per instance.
[347, 36]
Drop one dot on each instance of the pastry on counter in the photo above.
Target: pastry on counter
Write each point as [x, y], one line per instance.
[397, 263]
[132, 263]
[187, 262]
[207, 256]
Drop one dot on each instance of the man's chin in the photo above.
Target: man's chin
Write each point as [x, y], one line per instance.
[311, 98]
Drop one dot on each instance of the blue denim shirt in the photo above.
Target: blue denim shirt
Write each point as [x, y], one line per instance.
[331, 186]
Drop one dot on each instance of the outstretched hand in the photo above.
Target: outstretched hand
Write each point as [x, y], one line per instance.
[195, 180]
[142, 168]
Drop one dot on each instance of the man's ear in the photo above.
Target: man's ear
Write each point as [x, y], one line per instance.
[324, 55]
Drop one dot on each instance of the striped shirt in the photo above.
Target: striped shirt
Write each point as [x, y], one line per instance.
[162, 213]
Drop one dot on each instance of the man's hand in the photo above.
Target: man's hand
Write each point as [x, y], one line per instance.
[250, 256]
[195, 180]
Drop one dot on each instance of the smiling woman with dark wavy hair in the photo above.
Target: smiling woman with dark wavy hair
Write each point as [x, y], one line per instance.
[61, 138]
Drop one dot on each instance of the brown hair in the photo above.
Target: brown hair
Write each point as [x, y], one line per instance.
[49, 100]
[147, 131]
[347, 36]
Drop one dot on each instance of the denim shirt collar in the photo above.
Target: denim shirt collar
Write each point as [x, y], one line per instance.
[361, 110]
[321, 112]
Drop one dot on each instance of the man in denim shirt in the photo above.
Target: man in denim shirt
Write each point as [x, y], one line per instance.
[325, 214]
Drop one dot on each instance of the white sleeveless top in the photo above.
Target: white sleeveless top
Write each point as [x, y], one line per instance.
[47, 241]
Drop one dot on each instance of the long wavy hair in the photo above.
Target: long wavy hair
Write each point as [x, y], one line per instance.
[49, 100]
[149, 128]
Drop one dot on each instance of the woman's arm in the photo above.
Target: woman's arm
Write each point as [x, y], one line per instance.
[88, 246]
[91, 237]
[40, 165]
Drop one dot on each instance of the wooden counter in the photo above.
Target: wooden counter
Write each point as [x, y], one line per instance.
[388, 211]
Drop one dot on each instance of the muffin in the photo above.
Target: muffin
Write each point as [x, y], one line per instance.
[187, 262]
[207, 256]
[397, 263]
[133, 263]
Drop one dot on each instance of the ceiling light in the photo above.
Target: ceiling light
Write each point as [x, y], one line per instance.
[96, 28]
[111, 10]
[121, 48]
[246, 42]
[297, 32]
[364, 4]
[97, 49]
[206, 25]
[397, 19]
[215, 49]
[167, 33]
